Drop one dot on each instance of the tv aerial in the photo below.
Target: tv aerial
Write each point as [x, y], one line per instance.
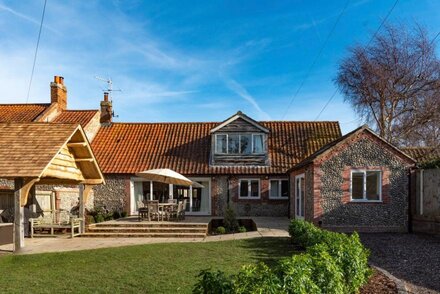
[109, 89]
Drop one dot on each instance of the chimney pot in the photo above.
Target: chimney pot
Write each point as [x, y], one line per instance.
[58, 92]
[106, 96]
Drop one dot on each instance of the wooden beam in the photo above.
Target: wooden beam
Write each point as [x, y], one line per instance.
[84, 193]
[18, 215]
[83, 159]
[77, 144]
[27, 185]
[93, 181]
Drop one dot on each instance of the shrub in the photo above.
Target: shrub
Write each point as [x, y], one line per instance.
[220, 230]
[242, 229]
[123, 214]
[230, 220]
[296, 275]
[326, 273]
[213, 283]
[347, 251]
[116, 214]
[99, 218]
[256, 279]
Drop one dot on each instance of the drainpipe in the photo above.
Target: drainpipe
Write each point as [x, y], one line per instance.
[410, 200]
[421, 191]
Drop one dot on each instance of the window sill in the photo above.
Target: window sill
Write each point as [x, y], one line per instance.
[249, 198]
[366, 201]
[278, 198]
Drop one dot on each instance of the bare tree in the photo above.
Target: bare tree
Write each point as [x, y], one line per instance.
[394, 85]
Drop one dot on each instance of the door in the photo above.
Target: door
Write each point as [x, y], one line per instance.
[299, 196]
[200, 198]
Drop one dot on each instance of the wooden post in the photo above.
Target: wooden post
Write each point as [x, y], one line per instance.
[18, 215]
[84, 192]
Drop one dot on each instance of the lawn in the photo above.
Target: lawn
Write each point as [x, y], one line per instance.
[153, 268]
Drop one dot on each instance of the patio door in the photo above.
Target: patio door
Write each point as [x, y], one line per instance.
[199, 201]
[299, 196]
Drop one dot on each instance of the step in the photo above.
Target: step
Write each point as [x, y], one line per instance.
[147, 230]
[143, 235]
[149, 224]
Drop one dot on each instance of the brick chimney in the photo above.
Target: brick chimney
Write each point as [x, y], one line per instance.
[58, 92]
[106, 110]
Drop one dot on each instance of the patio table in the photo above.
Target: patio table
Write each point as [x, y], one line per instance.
[167, 208]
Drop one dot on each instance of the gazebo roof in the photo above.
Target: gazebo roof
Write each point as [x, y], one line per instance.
[51, 153]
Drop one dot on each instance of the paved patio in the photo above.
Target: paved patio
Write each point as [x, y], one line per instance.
[267, 227]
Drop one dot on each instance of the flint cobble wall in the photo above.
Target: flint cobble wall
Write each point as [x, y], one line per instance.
[115, 194]
[389, 215]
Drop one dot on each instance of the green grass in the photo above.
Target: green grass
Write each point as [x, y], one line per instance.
[153, 268]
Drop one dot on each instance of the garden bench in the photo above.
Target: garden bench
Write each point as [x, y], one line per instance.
[74, 224]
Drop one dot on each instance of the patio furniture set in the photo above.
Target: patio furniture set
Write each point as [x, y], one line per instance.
[157, 211]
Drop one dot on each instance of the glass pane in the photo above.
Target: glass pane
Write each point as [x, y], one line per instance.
[285, 188]
[244, 189]
[221, 144]
[245, 144]
[138, 194]
[146, 190]
[357, 185]
[302, 197]
[274, 189]
[233, 144]
[160, 191]
[373, 182]
[297, 196]
[258, 144]
[255, 188]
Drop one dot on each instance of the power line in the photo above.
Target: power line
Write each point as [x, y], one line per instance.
[36, 51]
[316, 59]
[371, 39]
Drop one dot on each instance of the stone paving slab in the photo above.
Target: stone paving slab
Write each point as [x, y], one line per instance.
[267, 227]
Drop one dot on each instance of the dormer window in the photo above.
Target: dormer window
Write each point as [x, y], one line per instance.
[239, 144]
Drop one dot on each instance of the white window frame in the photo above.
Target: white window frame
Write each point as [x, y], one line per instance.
[215, 144]
[239, 143]
[279, 197]
[252, 146]
[249, 189]
[298, 196]
[364, 198]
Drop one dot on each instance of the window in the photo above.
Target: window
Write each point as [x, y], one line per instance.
[233, 144]
[258, 144]
[279, 189]
[239, 143]
[245, 144]
[221, 144]
[366, 185]
[249, 189]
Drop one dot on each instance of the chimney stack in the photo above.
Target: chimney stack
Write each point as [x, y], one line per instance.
[106, 110]
[58, 93]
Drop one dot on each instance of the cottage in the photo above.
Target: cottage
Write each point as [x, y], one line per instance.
[357, 182]
[270, 168]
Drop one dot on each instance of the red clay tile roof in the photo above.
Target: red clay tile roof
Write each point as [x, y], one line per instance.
[21, 112]
[423, 154]
[185, 147]
[81, 117]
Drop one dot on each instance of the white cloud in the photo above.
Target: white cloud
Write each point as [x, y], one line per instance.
[243, 93]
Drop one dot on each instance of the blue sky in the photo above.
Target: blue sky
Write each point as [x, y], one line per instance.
[193, 60]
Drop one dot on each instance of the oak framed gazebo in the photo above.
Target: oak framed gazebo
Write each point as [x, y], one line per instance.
[45, 154]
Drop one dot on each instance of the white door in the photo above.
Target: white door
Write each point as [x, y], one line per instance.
[299, 196]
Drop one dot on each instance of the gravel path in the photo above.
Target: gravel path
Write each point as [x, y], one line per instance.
[413, 258]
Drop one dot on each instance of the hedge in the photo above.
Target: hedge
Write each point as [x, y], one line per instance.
[332, 263]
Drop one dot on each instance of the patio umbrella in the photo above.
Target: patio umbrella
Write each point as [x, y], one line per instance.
[168, 176]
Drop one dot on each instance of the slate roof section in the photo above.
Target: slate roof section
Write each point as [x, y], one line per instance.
[423, 154]
[21, 112]
[127, 148]
[81, 117]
